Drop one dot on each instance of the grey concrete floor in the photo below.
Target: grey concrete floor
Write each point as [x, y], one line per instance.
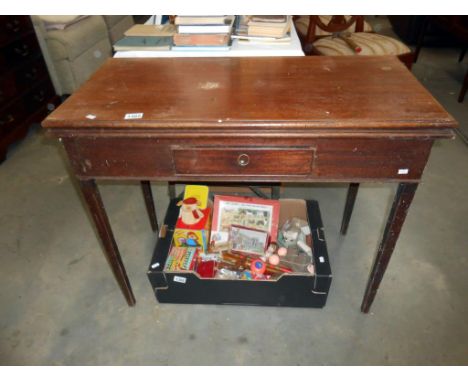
[61, 306]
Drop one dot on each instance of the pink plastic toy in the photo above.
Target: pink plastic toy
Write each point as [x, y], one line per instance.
[274, 260]
[282, 251]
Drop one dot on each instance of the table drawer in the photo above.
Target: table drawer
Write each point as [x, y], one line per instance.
[242, 161]
[272, 160]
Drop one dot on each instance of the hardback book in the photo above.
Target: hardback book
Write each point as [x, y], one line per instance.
[269, 29]
[268, 18]
[243, 36]
[192, 48]
[279, 42]
[142, 30]
[224, 27]
[143, 43]
[201, 39]
[198, 20]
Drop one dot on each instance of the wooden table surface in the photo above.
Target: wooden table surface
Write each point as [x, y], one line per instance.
[233, 93]
[251, 120]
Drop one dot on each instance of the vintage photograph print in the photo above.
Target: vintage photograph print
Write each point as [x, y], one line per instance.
[248, 240]
[254, 213]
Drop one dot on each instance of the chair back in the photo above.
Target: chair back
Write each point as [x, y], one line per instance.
[335, 24]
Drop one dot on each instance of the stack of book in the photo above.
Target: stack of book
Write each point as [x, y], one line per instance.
[264, 29]
[203, 32]
[146, 37]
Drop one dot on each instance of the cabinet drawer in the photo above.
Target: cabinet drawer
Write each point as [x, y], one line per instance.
[40, 95]
[10, 117]
[243, 161]
[31, 73]
[22, 79]
[19, 51]
[7, 89]
[13, 26]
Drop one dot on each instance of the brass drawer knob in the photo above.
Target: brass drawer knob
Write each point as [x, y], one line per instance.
[243, 160]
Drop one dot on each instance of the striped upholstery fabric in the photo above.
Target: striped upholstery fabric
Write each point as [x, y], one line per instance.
[372, 44]
[302, 25]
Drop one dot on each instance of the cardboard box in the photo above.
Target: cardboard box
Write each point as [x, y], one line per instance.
[293, 289]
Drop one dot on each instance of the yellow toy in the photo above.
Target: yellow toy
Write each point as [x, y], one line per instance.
[194, 222]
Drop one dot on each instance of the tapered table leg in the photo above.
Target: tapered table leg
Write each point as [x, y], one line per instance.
[349, 206]
[149, 202]
[401, 204]
[172, 190]
[98, 213]
[275, 192]
[462, 54]
[464, 88]
[422, 33]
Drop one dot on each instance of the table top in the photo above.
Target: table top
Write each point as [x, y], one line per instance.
[238, 49]
[331, 93]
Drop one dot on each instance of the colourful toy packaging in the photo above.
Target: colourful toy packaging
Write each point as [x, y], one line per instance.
[181, 259]
[194, 222]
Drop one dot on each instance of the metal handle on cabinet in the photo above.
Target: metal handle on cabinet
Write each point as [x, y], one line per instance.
[32, 74]
[14, 28]
[9, 118]
[39, 97]
[23, 51]
[243, 160]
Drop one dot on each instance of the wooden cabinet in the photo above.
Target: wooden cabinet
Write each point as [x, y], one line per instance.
[26, 92]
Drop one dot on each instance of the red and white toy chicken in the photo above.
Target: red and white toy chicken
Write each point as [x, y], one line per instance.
[190, 212]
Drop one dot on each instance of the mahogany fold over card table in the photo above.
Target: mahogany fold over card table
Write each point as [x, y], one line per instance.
[251, 120]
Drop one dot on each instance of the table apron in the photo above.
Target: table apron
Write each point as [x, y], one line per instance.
[247, 159]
